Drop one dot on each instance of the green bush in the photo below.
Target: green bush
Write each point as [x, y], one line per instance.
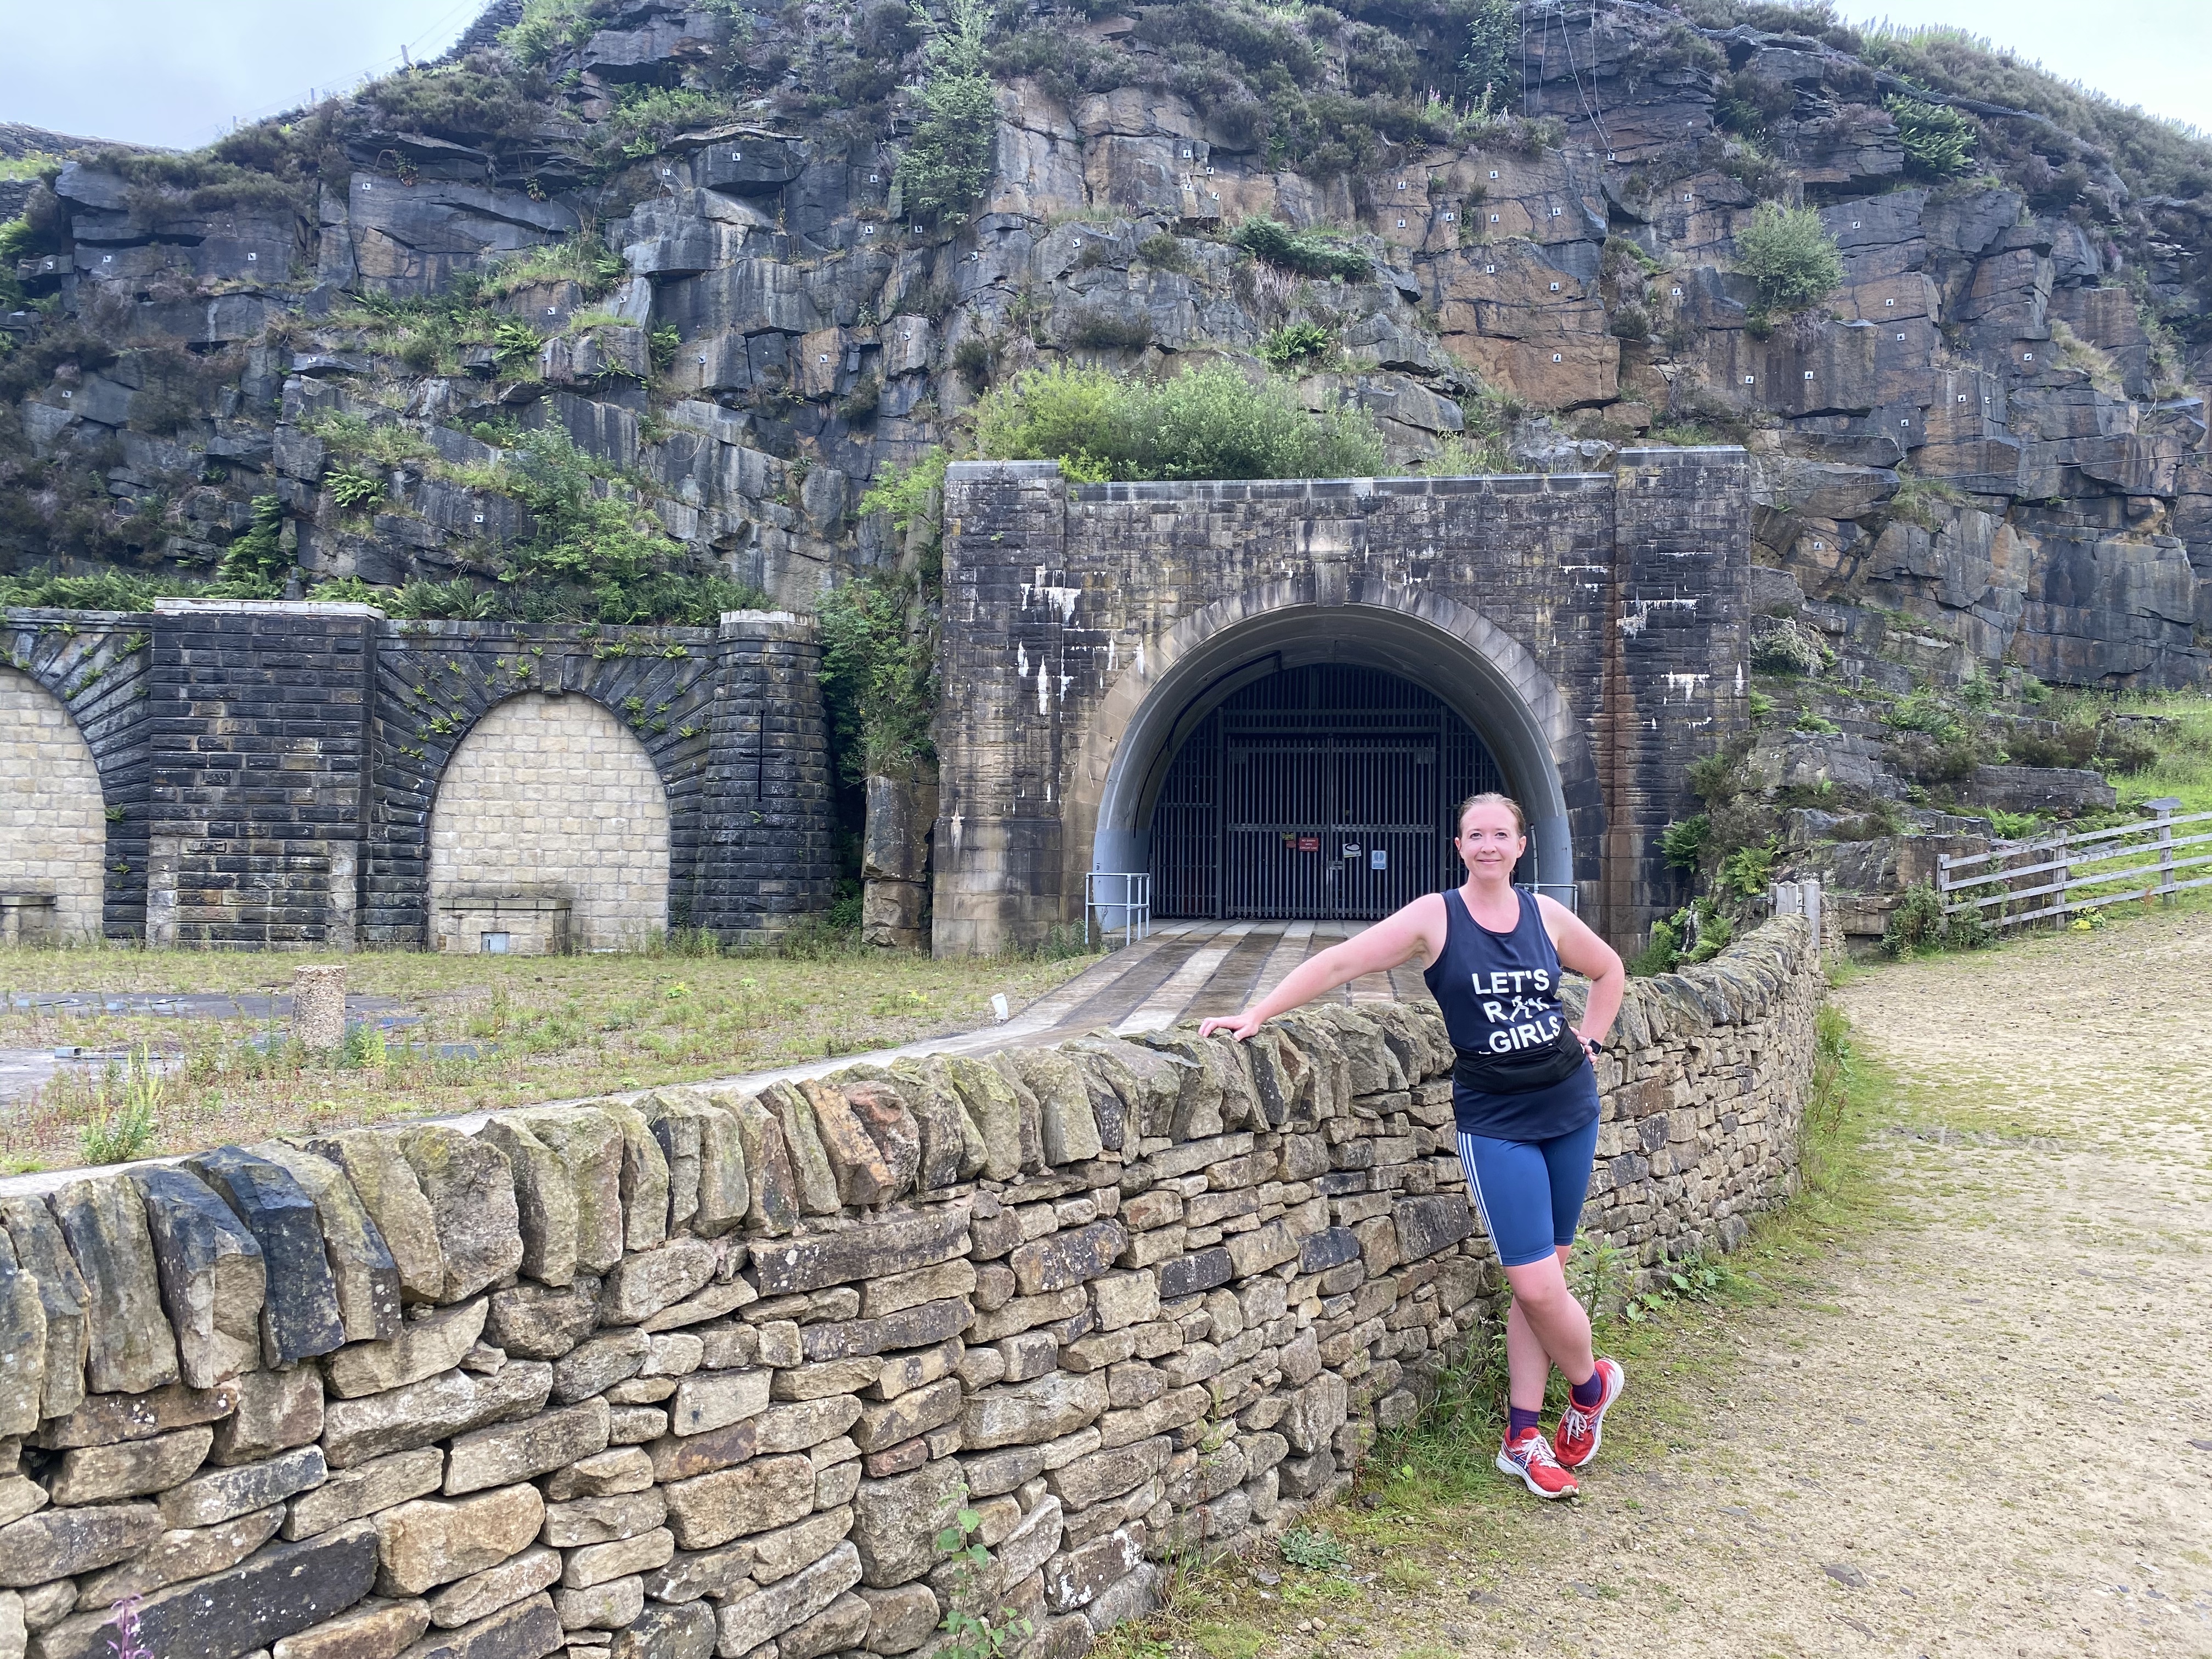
[879, 673]
[1296, 344]
[906, 492]
[947, 164]
[353, 488]
[1788, 255]
[1209, 422]
[1938, 140]
[1098, 329]
[257, 556]
[1308, 252]
[1683, 844]
[584, 260]
[546, 26]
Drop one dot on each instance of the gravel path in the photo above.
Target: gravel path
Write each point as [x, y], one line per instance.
[1986, 1430]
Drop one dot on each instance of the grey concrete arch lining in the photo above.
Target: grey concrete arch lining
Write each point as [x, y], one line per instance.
[1475, 667]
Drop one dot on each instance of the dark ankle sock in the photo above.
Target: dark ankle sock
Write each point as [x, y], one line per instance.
[1516, 1420]
[1587, 1395]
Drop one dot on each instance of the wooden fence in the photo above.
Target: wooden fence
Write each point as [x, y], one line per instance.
[2023, 881]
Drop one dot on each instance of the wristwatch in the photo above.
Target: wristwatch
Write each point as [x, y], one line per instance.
[1592, 1047]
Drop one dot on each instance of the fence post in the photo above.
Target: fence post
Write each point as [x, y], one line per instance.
[2065, 849]
[1943, 883]
[2166, 853]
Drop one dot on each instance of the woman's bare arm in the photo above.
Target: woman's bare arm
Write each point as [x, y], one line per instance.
[1418, 926]
[1583, 953]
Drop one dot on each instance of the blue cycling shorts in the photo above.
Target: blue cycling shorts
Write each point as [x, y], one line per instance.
[1529, 1192]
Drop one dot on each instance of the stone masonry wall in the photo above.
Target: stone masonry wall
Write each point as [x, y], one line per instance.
[695, 1371]
[53, 827]
[553, 791]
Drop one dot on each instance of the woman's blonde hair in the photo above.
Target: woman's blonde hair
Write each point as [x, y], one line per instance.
[1490, 798]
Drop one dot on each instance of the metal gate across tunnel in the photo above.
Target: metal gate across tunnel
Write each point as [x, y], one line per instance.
[1322, 791]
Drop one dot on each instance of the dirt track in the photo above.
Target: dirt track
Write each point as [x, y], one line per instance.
[1987, 1431]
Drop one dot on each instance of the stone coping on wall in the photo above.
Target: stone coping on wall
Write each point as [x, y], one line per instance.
[700, 1371]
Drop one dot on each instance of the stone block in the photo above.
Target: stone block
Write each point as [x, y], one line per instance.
[212, 1274]
[749, 1620]
[870, 1251]
[180, 1553]
[805, 1423]
[471, 1193]
[422, 1347]
[1125, 1299]
[1077, 1577]
[1030, 1412]
[43, 1253]
[598, 1563]
[543, 1322]
[1428, 1225]
[896, 1521]
[683, 1632]
[349, 1494]
[277, 1593]
[1066, 1259]
[222, 1494]
[363, 1275]
[431, 1541]
[641, 1286]
[619, 1469]
[864, 1178]
[712, 1509]
[515, 1451]
[482, 1593]
[644, 1184]
[528, 1630]
[908, 1416]
[772, 1184]
[277, 1411]
[712, 1400]
[453, 1402]
[840, 1624]
[896, 1293]
[544, 1199]
[129, 1337]
[133, 1469]
[1107, 1474]
[300, 1315]
[900, 1620]
[1190, 1275]
[912, 1327]
[603, 1520]
[609, 1606]
[63, 1543]
[375, 1163]
[829, 1376]
[373, 1630]
[597, 1363]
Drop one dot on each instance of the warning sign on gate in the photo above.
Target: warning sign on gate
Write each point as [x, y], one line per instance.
[1379, 859]
[1309, 843]
[1352, 849]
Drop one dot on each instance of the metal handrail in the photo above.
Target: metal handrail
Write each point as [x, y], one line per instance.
[1135, 904]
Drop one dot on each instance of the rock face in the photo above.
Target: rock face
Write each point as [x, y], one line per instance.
[802, 325]
[1081, 1357]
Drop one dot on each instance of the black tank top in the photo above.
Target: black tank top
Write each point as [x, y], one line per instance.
[1500, 997]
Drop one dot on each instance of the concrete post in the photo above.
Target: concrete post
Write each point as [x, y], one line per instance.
[318, 1007]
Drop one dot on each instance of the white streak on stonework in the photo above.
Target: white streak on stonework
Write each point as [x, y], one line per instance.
[1639, 613]
[1688, 685]
[959, 819]
[1113, 650]
[1739, 679]
[1022, 659]
[1140, 657]
[1044, 688]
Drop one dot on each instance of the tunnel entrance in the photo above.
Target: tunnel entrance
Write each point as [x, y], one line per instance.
[1323, 792]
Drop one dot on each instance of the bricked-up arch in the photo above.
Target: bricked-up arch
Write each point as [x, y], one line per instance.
[93, 664]
[53, 821]
[1477, 669]
[552, 792]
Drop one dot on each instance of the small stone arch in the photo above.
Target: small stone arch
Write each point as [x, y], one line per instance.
[552, 796]
[1488, 677]
[54, 813]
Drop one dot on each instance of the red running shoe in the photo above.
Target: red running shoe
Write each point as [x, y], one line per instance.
[1529, 1460]
[1580, 1428]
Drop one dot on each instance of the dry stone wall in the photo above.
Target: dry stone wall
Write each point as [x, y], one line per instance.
[701, 1371]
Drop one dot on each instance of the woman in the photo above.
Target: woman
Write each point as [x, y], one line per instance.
[1525, 1098]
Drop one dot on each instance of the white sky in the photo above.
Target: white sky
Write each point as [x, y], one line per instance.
[178, 72]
